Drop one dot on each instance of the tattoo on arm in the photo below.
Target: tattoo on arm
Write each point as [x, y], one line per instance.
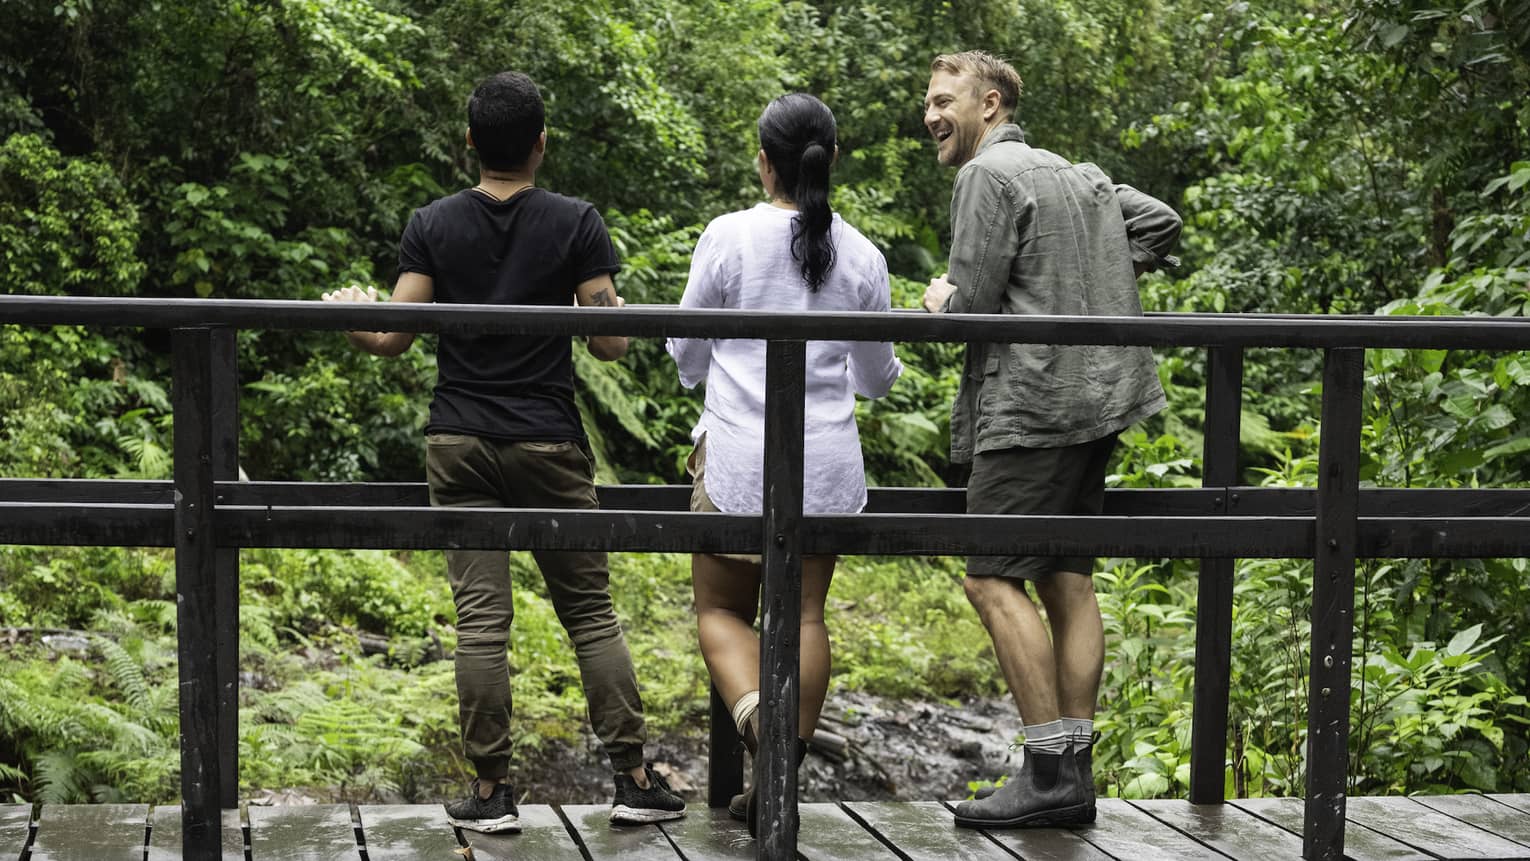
[602, 298]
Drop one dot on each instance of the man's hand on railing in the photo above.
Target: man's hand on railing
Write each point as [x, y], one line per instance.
[353, 293]
[411, 287]
[367, 341]
[937, 293]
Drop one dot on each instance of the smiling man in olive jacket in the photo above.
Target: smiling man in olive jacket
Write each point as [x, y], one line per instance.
[1032, 233]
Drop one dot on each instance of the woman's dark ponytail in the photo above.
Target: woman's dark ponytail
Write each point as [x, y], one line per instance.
[797, 132]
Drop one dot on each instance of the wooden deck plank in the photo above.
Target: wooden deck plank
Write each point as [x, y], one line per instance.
[1123, 831]
[1360, 843]
[1432, 831]
[710, 834]
[408, 832]
[91, 832]
[827, 833]
[1044, 844]
[305, 832]
[924, 831]
[1230, 830]
[165, 834]
[1483, 812]
[543, 837]
[607, 842]
[1519, 802]
[15, 829]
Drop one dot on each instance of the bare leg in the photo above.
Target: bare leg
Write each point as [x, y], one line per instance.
[1021, 644]
[1078, 638]
[817, 572]
[727, 599]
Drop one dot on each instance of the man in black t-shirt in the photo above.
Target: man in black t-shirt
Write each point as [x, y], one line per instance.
[504, 432]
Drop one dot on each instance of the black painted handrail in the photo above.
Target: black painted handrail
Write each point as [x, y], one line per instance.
[206, 516]
[1154, 330]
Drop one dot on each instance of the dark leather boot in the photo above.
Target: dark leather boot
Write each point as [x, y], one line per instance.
[1048, 790]
[1084, 757]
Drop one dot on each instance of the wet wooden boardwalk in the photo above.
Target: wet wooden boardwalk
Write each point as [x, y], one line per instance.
[1379, 829]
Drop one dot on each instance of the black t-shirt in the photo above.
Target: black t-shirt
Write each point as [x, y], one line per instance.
[533, 249]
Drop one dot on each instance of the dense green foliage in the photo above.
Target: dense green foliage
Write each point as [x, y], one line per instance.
[1328, 155]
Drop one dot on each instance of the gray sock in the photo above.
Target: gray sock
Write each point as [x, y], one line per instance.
[1046, 738]
[1080, 732]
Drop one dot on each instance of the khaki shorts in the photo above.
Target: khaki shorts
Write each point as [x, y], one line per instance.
[1066, 480]
[696, 465]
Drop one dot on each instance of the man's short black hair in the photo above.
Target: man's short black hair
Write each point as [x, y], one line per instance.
[505, 116]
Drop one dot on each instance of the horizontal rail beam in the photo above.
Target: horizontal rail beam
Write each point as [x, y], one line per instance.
[418, 528]
[76, 524]
[1166, 501]
[488, 529]
[1190, 330]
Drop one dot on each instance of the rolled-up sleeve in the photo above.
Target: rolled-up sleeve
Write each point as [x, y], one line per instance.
[703, 289]
[874, 367]
[1152, 228]
[985, 240]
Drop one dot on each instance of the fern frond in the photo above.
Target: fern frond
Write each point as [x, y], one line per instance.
[125, 673]
[273, 734]
[48, 720]
[58, 778]
[286, 705]
[611, 386]
[153, 613]
[604, 474]
[123, 731]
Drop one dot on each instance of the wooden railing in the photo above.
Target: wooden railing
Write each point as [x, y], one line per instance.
[207, 517]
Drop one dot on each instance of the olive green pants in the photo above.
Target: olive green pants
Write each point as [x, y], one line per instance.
[473, 472]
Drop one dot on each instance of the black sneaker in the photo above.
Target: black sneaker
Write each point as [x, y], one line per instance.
[488, 815]
[636, 806]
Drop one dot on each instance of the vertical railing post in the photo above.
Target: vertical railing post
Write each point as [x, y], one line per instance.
[224, 383]
[195, 593]
[775, 768]
[1333, 604]
[1214, 606]
[725, 761]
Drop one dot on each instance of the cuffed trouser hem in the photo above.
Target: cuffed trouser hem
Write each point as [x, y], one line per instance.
[491, 769]
[625, 758]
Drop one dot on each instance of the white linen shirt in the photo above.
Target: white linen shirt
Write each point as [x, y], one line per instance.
[744, 260]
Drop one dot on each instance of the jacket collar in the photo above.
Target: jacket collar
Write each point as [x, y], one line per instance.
[1003, 132]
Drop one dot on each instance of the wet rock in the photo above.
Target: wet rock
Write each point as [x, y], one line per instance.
[894, 751]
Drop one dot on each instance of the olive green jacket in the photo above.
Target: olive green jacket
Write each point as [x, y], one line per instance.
[1032, 233]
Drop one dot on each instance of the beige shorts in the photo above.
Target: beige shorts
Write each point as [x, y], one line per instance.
[696, 465]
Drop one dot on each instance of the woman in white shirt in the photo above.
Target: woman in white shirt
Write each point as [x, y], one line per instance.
[790, 254]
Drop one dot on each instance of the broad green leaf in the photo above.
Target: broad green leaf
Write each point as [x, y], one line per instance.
[1512, 447]
[1464, 639]
[1145, 786]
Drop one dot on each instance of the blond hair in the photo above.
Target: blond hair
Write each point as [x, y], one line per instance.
[990, 73]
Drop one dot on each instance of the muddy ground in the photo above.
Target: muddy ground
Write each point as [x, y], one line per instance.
[895, 750]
